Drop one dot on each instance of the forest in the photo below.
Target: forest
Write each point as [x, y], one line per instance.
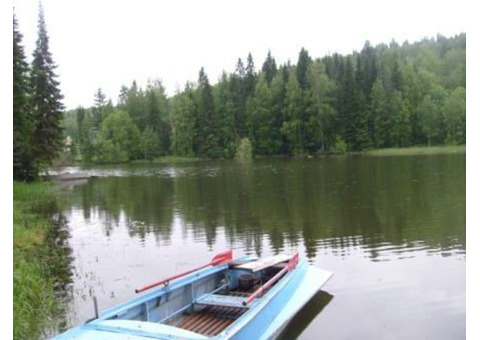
[382, 96]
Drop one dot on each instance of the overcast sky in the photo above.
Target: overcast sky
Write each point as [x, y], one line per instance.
[105, 44]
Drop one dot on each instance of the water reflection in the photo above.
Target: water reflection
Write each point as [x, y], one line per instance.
[389, 228]
[381, 205]
[306, 315]
[56, 248]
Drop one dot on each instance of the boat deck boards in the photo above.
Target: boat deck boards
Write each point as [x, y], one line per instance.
[211, 320]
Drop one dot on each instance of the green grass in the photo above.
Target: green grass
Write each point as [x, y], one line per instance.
[33, 291]
[177, 159]
[418, 150]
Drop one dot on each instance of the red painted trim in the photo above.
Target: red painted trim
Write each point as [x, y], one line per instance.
[218, 259]
[292, 264]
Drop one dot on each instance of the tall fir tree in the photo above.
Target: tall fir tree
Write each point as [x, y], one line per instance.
[302, 65]
[237, 85]
[46, 99]
[100, 100]
[250, 77]
[225, 112]
[207, 141]
[23, 166]
[269, 68]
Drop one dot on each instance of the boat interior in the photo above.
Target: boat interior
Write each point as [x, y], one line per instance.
[211, 303]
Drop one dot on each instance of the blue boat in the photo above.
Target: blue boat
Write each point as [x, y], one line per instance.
[245, 298]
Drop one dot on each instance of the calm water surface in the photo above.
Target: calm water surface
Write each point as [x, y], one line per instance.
[391, 229]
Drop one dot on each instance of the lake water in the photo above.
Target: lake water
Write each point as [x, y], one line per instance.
[391, 229]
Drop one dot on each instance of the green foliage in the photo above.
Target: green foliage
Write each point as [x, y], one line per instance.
[183, 122]
[37, 106]
[118, 140]
[379, 110]
[429, 118]
[244, 151]
[269, 68]
[340, 145]
[302, 65]
[225, 113]
[149, 143]
[45, 100]
[157, 116]
[401, 129]
[293, 125]
[455, 116]
[33, 288]
[319, 100]
[24, 167]
[207, 139]
[261, 120]
[380, 97]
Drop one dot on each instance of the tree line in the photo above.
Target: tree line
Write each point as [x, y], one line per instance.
[382, 96]
[37, 106]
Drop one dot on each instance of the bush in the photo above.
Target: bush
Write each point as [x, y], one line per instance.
[244, 151]
[340, 145]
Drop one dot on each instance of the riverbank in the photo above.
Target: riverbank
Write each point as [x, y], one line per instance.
[33, 288]
[418, 150]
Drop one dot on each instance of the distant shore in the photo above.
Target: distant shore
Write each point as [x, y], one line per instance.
[418, 150]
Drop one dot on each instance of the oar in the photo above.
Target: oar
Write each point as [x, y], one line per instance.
[218, 259]
[292, 263]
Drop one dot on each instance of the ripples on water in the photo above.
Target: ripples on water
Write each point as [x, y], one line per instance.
[391, 229]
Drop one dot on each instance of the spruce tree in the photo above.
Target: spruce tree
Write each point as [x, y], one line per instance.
[225, 112]
[23, 165]
[46, 100]
[207, 141]
[238, 89]
[97, 111]
[269, 68]
[302, 66]
[250, 77]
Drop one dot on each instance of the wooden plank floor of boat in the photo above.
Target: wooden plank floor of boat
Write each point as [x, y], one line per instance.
[211, 320]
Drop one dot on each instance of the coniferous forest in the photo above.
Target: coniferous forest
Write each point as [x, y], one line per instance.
[383, 96]
[38, 134]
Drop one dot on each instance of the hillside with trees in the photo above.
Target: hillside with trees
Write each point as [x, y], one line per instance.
[382, 96]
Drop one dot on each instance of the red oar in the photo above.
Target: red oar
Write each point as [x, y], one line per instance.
[218, 259]
[292, 263]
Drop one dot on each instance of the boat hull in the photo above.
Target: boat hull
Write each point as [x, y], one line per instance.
[265, 318]
[271, 315]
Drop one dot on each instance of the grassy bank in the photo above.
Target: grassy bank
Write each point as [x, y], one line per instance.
[418, 150]
[173, 159]
[33, 289]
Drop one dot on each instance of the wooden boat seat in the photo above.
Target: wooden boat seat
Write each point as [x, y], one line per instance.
[265, 262]
[222, 300]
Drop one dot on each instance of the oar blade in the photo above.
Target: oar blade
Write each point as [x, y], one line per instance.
[222, 257]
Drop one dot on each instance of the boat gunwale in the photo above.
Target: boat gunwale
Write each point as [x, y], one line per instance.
[261, 303]
[161, 291]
